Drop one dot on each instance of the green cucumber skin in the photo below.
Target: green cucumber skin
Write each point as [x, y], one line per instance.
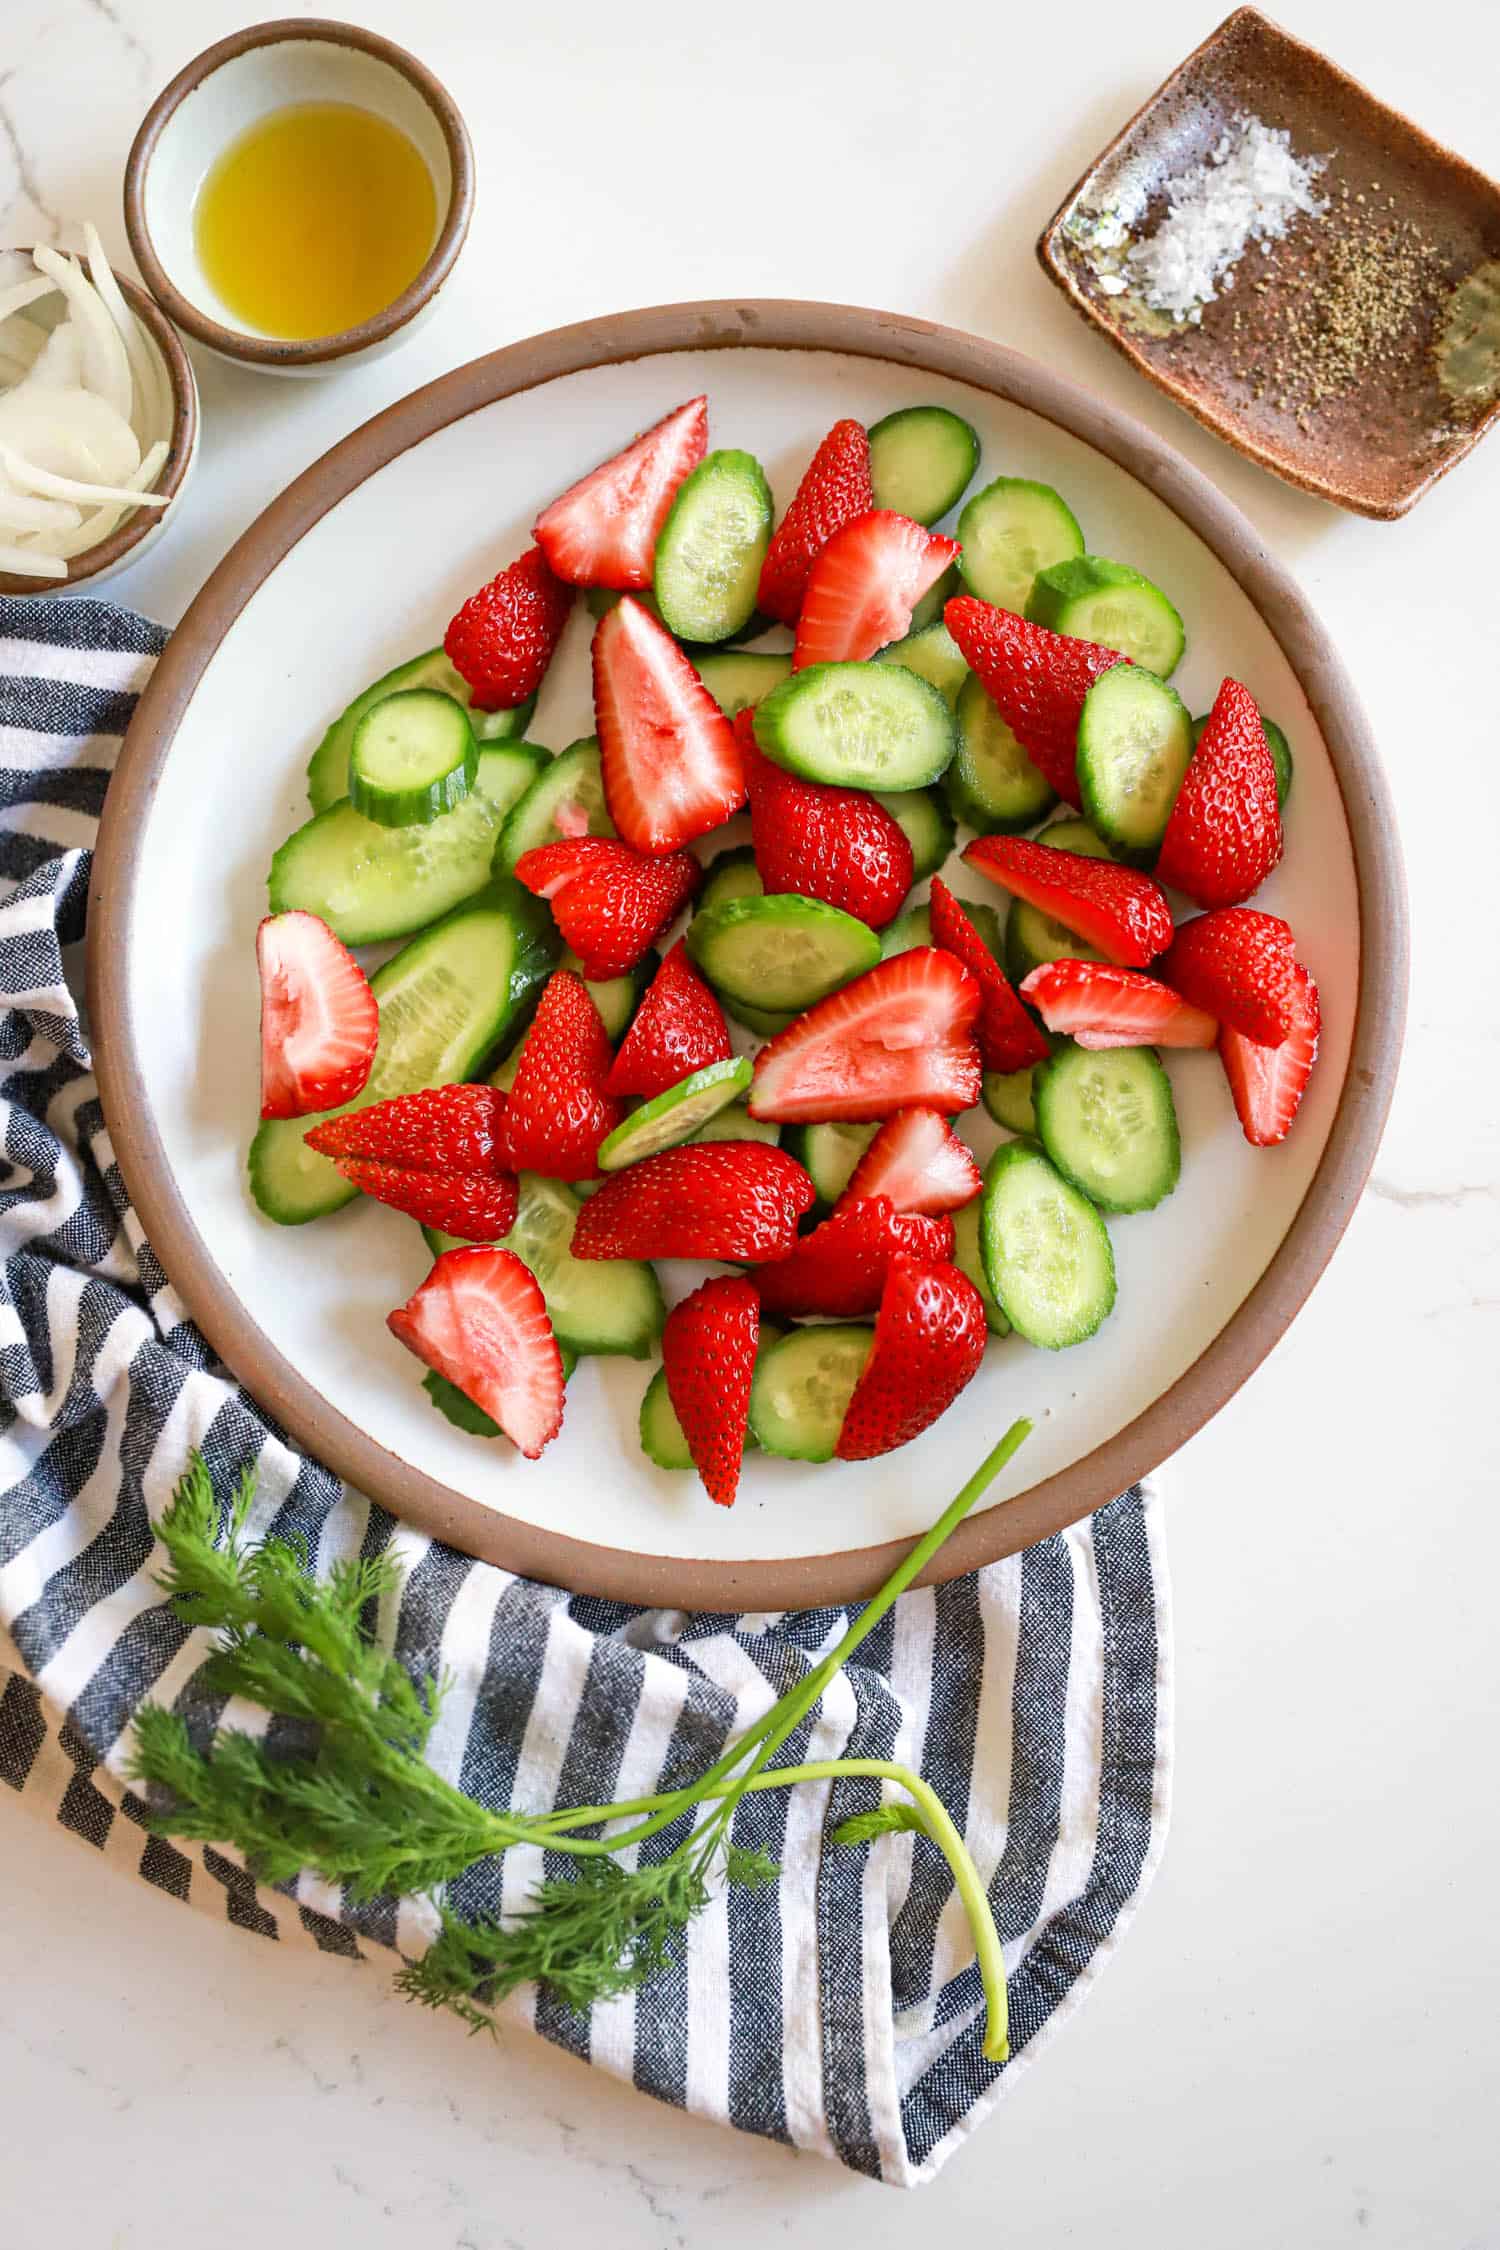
[775, 1432]
[616, 998]
[1007, 1095]
[686, 608]
[835, 947]
[828, 1155]
[1060, 597]
[1040, 512]
[738, 678]
[969, 1259]
[662, 1439]
[923, 818]
[764, 1022]
[1033, 938]
[328, 767]
[577, 1300]
[1054, 1097]
[934, 655]
[450, 771]
[279, 1145]
[790, 728]
[1131, 833]
[973, 794]
[735, 1123]
[325, 866]
[1276, 743]
[930, 608]
[732, 873]
[1006, 1287]
[637, 1136]
[914, 928]
[922, 461]
[574, 773]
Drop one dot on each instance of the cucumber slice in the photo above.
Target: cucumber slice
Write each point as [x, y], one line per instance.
[328, 768]
[934, 655]
[1108, 602]
[802, 1388]
[764, 1022]
[926, 823]
[828, 1154]
[736, 678]
[731, 874]
[675, 1115]
[937, 596]
[992, 784]
[601, 600]
[1107, 1120]
[781, 952]
[969, 1259]
[367, 882]
[1047, 1252]
[616, 998]
[662, 1440]
[1031, 937]
[460, 1409]
[597, 1305]
[1008, 1095]
[859, 726]
[414, 758]
[572, 781]
[914, 928]
[446, 1001]
[710, 549]
[736, 1124]
[921, 461]
[1276, 743]
[1134, 743]
[1010, 531]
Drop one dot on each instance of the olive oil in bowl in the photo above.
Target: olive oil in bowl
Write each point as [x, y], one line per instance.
[314, 219]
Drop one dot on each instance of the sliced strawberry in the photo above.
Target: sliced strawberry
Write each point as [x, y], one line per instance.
[1117, 909]
[319, 1024]
[1036, 679]
[481, 1320]
[837, 845]
[1008, 1039]
[929, 1341]
[671, 766]
[558, 1111]
[708, 1353]
[1102, 1006]
[864, 585]
[505, 636]
[1267, 1082]
[919, 1162]
[441, 1129]
[835, 489]
[610, 903]
[476, 1206]
[839, 1270]
[602, 531]
[1241, 967]
[897, 1037]
[1224, 836]
[679, 1027]
[708, 1199]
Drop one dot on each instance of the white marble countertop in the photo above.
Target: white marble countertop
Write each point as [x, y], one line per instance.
[1299, 2040]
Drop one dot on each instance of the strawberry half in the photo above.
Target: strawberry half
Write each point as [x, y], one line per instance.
[708, 1354]
[481, 1320]
[319, 1024]
[929, 1341]
[441, 1129]
[709, 1199]
[1037, 680]
[864, 585]
[1241, 967]
[1008, 1039]
[671, 766]
[839, 1269]
[505, 636]
[678, 1028]
[1122, 912]
[833, 844]
[920, 1163]
[834, 490]
[1102, 1006]
[1268, 1082]
[897, 1037]
[476, 1206]
[1224, 835]
[610, 903]
[558, 1110]
[602, 531]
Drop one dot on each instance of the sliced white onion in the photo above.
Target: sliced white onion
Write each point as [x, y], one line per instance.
[23, 337]
[11, 370]
[72, 432]
[20, 294]
[153, 415]
[28, 478]
[22, 511]
[105, 367]
[102, 522]
[58, 366]
[30, 562]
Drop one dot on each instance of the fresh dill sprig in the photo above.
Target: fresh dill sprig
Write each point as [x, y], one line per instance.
[347, 1793]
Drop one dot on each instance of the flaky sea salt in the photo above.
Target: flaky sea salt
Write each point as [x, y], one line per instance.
[1250, 190]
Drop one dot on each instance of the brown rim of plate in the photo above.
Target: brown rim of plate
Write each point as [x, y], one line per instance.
[312, 351]
[175, 467]
[1233, 1355]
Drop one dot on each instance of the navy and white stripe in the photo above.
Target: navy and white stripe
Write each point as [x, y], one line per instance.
[838, 2010]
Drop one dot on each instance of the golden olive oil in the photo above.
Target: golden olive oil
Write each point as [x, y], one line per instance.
[314, 218]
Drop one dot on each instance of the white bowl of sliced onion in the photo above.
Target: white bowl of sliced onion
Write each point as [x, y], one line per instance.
[98, 418]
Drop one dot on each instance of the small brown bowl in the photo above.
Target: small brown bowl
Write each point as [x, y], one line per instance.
[130, 536]
[1377, 444]
[230, 86]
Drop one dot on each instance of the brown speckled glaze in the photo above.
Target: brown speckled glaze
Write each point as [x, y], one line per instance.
[1379, 445]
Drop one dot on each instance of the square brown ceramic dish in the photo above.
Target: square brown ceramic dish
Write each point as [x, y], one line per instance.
[1396, 202]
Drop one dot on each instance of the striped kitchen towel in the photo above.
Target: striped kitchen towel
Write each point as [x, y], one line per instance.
[836, 2010]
